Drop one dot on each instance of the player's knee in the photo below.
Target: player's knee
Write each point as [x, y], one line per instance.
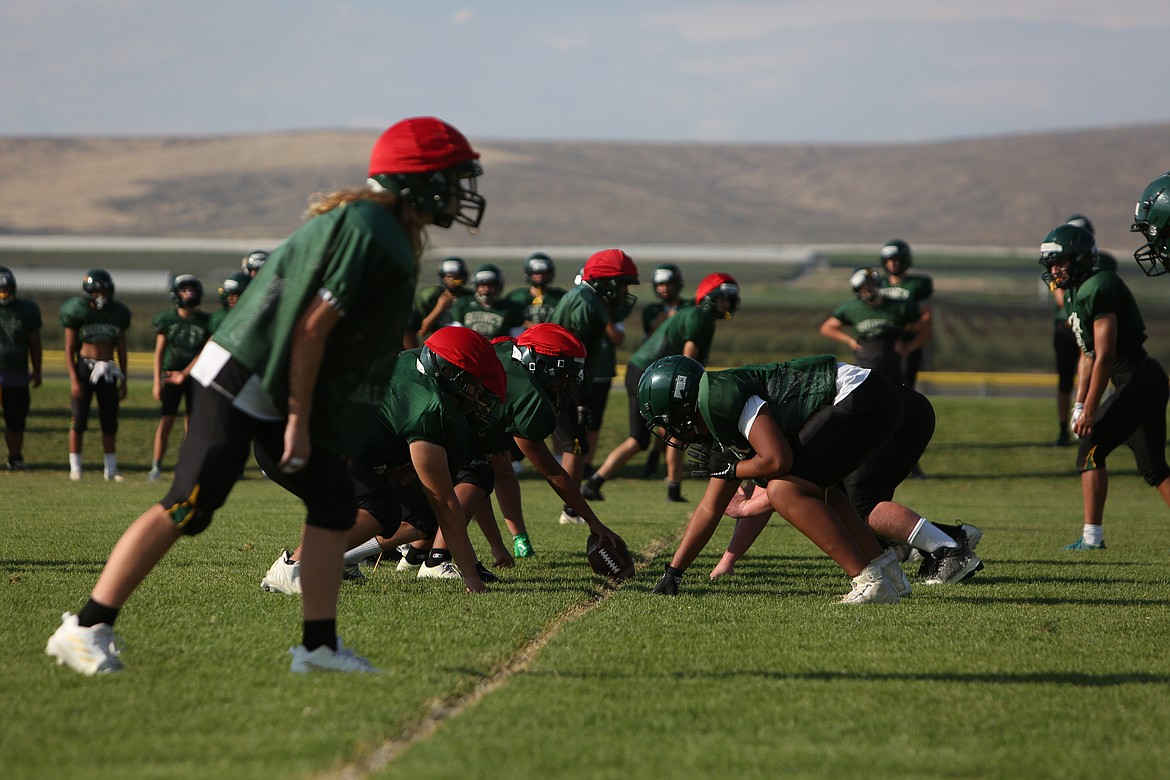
[1156, 475]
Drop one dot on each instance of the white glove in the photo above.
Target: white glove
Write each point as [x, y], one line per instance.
[1077, 412]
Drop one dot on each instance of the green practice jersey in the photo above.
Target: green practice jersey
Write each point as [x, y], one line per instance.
[1105, 293]
[536, 308]
[427, 297]
[19, 320]
[96, 326]
[527, 412]
[916, 287]
[184, 336]
[792, 390]
[585, 315]
[414, 409]
[694, 323]
[488, 321]
[359, 260]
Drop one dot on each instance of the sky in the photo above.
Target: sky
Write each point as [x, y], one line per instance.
[851, 71]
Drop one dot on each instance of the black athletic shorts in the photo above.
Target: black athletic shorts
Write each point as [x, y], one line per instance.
[1135, 415]
[878, 477]
[215, 450]
[173, 394]
[16, 402]
[638, 430]
[393, 496]
[107, 398]
[837, 439]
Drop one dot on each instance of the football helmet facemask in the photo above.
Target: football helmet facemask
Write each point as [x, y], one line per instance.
[1151, 218]
[670, 275]
[1070, 243]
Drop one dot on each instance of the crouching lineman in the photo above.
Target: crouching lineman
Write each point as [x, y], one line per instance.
[801, 426]
[947, 550]
[439, 396]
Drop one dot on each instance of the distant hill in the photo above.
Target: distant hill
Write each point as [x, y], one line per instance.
[1002, 191]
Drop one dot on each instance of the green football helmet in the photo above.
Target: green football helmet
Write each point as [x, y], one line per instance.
[897, 252]
[254, 261]
[671, 275]
[867, 283]
[233, 285]
[539, 263]
[491, 277]
[98, 287]
[186, 281]
[1151, 218]
[1080, 220]
[668, 397]
[1074, 244]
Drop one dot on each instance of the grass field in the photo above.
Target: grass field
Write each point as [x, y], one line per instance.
[1048, 664]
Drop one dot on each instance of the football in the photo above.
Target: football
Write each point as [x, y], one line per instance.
[608, 559]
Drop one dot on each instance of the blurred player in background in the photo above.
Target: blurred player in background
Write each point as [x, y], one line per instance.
[432, 305]
[253, 262]
[487, 312]
[229, 295]
[20, 351]
[537, 301]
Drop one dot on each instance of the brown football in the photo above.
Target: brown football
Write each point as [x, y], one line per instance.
[608, 559]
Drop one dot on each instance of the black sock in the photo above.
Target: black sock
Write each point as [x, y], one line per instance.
[320, 632]
[94, 613]
[415, 556]
[673, 572]
[570, 511]
[674, 489]
[596, 481]
[438, 555]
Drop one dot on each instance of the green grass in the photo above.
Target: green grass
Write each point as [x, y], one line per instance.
[1047, 664]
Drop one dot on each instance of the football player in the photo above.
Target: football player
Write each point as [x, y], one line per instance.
[587, 311]
[689, 332]
[441, 399]
[1110, 331]
[432, 305]
[668, 285]
[180, 333]
[879, 325]
[901, 285]
[95, 352]
[486, 312]
[1064, 345]
[297, 374]
[802, 426]
[1151, 218]
[20, 348]
[229, 295]
[946, 550]
[540, 297]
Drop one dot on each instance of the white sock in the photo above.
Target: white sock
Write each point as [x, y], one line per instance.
[362, 551]
[111, 461]
[928, 537]
[1093, 534]
[75, 461]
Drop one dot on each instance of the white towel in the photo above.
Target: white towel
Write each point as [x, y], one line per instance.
[105, 370]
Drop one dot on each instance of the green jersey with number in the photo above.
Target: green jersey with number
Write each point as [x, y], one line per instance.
[359, 260]
[917, 287]
[489, 321]
[1105, 293]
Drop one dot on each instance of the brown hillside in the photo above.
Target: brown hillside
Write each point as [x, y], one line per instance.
[992, 191]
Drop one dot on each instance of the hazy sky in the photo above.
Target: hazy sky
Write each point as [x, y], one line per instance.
[687, 70]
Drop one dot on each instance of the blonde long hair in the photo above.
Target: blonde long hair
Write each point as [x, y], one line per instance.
[320, 203]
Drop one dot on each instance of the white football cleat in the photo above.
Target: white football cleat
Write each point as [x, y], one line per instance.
[892, 571]
[325, 659]
[446, 570]
[284, 576]
[871, 587]
[90, 651]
